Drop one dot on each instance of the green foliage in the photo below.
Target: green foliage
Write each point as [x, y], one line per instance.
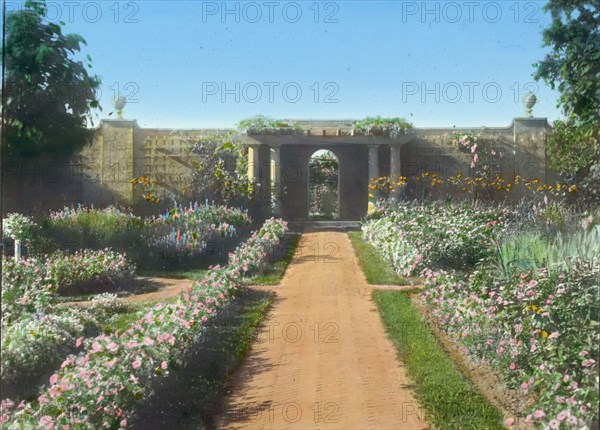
[273, 273]
[531, 251]
[413, 236]
[573, 148]
[573, 65]
[89, 228]
[323, 192]
[261, 122]
[220, 170]
[49, 94]
[376, 269]
[383, 123]
[449, 399]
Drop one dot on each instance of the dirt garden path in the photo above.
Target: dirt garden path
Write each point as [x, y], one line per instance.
[323, 359]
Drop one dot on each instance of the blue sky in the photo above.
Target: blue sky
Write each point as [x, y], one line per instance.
[193, 64]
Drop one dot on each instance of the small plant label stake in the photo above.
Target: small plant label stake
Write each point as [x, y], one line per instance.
[17, 250]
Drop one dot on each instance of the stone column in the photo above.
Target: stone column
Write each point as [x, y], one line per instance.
[373, 162]
[395, 167]
[275, 178]
[253, 165]
[373, 174]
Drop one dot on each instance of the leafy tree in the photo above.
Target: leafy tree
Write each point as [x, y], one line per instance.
[573, 67]
[49, 94]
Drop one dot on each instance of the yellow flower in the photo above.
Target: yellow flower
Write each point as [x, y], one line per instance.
[573, 189]
[544, 334]
[371, 207]
[371, 195]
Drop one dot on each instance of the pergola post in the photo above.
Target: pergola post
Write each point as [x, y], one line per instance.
[373, 172]
[275, 155]
[395, 167]
[253, 165]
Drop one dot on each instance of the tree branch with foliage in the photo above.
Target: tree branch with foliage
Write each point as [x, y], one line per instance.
[573, 68]
[49, 94]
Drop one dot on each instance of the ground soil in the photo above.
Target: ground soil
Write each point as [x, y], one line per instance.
[323, 359]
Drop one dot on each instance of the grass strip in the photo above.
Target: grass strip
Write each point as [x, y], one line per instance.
[195, 274]
[278, 265]
[448, 398]
[376, 270]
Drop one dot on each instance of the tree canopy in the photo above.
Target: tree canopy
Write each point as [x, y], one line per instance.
[49, 93]
[573, 65]
[573, 68]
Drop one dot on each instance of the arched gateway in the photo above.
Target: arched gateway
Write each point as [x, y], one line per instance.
[278, 160]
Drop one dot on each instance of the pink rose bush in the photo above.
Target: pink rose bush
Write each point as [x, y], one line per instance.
[97, 387]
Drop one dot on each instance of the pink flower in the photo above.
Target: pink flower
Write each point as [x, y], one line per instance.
[525, 386]
[554, 424]
[78, 342]
[532, 283]
[113, 347]
[163, 365]
[588, 363]
[539, 414]
[110, 364]
[553, 335]
[124, 422]
[53, 379]
[509, 421]
[583, 353]
[46, 422]
[512, 366]
[136, 363]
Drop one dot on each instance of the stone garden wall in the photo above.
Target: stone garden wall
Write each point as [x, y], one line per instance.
[101, 174]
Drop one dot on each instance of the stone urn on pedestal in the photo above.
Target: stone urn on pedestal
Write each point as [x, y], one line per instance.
[529, 101]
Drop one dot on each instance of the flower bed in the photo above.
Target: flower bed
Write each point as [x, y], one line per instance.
[418, 235]
[525, 300]
[89, 271]
[194, 234]
[97, 387]
[36, 333]
[540, 329]
[75, 229]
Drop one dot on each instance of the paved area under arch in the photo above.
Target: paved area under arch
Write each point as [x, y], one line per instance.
[323, 359]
